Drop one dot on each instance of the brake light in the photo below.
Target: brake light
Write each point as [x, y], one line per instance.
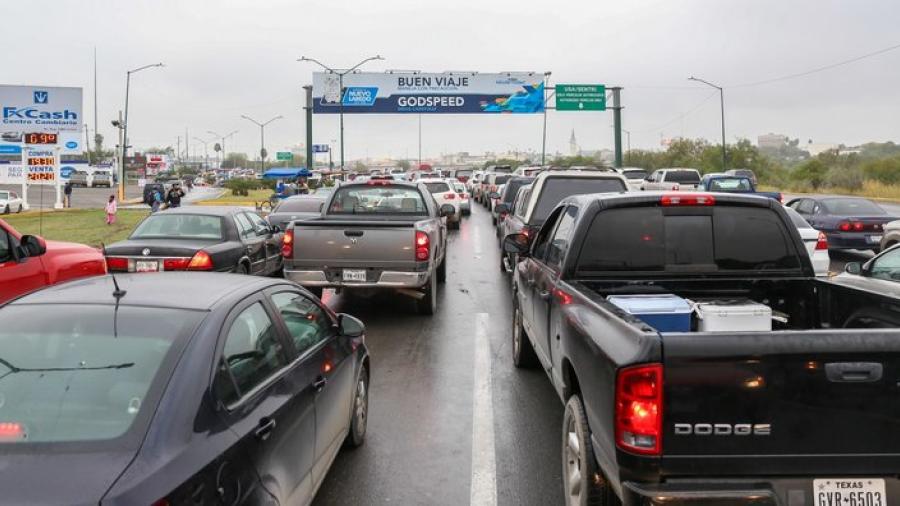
[11, 431]
[117, 263]
[176, 264]
[450, 196]
[844, 226]
[687, 199]
[464, 196]
[822, 242]
[379, 182]
[857, 226]
[639, 409]
[563, 297]
[287, 244]
[781, 198]
[675, 187]
[200, 262]
[423, 246]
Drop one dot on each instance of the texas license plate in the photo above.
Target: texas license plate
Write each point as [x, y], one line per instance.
[874, 239]
[849, 492]
[355, 275]
[146, 266]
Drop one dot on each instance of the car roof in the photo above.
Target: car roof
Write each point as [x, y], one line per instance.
[203, 210]
[180, 290]
[636, 198]
[432, 180]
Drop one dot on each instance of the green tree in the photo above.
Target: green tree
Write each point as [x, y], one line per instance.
[235, 160]
[811, 172]
[403, 164]
[503, 161]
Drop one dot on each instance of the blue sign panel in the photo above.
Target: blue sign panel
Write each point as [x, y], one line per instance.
[320, 148]
[360, 96]
[9, 149]
[71, 144]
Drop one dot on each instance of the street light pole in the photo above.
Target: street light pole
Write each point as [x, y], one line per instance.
[205, 150]
[222, 137]
[125, 126]
[262, 137]
[340, 75]
[722, 109]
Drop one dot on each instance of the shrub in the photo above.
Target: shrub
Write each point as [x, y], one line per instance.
[850, 178]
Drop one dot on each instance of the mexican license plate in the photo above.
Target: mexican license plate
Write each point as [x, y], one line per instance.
[874, 239]
[849, 492]
[146, 266]
[355, 275]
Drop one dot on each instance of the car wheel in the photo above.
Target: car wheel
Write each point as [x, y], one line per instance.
[427, 305]
[20, 209]
[6, 210]
[442, 271]
[583, 481]
[524, 356]
[360, 417]
[241, 268]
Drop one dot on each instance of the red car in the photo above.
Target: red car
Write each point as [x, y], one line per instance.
[28, 262]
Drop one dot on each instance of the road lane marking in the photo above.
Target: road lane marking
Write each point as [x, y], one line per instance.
[484, 471]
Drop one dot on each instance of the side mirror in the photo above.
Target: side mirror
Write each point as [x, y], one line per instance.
[853, 268]
[32, 246]
[494, 195]
[350, 326]
[447, 210]
[516, 244]
[502, 208]
[648, 179]
[276, 229]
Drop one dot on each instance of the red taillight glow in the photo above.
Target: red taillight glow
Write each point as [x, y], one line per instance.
[639, 408]
[423, 243]
[200, 262]
[464, 196]
[11, 431]
[450, 196]
[287, 244]
[857, 226]
[844, 226]
[117, 263]
[687, 199]
[822, 242]
[176, 264]
[379, 182]
[563, 297]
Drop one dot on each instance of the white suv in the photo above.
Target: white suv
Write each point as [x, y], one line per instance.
[675, 179]
[443, 194]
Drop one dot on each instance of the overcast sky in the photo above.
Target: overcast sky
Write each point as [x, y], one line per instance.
[225, 58]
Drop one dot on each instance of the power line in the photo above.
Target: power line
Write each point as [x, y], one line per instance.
[816, 70]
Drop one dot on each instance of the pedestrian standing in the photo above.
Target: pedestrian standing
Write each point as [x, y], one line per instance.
[173, 198]
[111, 210]
[156, 200]
[67, 191]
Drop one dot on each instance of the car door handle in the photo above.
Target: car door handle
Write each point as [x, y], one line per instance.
[544, 295]
[265, 428]
[854, 372]
[320, 383]
[353, 233]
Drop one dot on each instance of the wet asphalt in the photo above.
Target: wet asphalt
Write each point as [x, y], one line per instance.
[419, 446]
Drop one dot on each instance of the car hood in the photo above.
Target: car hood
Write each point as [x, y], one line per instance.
[64, 479]
[279, 218]
[69, 247]
[160, 247]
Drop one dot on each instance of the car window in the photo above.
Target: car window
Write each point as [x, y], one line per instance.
[560, 244]
[887, 266]
[245, 228]
[5, 247]
[557, 188]
[192, 226]
[252, 353]
[853, 207]
[380, 199]
[806, 206]
[259, 225]
[4, 196]
[730, 184]
[300, 205]
[543, 237]
[307, 323]
[683, 176]
[437, 187]
[523, 202]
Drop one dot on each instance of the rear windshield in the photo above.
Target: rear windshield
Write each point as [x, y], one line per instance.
[711, 240]
[437, 187]
[635, 173]
[464, 173]
[558, 188]
[378, 200]
[683, 176]
[299, 206]
[512, 188]
[498, 180]
[83, 372]
[730, 184]
[191, 226]
[506, 169]
[853, 207]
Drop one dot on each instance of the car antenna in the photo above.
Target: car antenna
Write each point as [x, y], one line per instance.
[118, 293]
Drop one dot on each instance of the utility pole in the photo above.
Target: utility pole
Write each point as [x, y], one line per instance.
[722, 108]
[617, 123]
[262, 137]
[125, 126]
[222, 137]
[544, 134]
[309, 127]
[420, 141]
[96, 132]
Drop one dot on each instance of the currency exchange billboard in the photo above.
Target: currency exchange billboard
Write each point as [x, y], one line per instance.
[418, 93]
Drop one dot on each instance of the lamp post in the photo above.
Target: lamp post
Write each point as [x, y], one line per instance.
[341, 74]
[722, 107]
[262, 137]
[125, 126]
[222, 138]
[205, 150]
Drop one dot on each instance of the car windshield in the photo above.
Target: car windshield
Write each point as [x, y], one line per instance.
[381, 199]
[730, 184]
[853, 207]
[437, 187]
[558, 188]
[299, 205]
[649, 239]
[192, 226]
[83, 372]
[683, 176]
[635, 173]
[4, 195]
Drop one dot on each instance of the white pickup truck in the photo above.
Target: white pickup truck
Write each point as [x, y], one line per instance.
[674, 179]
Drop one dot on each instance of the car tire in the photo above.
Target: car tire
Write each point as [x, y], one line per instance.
[442, 270]
[19, 210]
[241, 268]
[427, 305]
[523, 353]
[6, 210]
[583, 480]
[359, 418]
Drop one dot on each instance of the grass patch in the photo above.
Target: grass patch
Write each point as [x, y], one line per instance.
[227, 199]
[870, 189]
[86, 226]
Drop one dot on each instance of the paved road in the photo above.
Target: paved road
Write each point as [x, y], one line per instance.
[425, 412]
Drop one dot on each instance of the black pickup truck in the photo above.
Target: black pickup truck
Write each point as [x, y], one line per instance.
[804, 414]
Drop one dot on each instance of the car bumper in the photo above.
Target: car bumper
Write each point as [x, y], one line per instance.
[386, 279]
[853, 240]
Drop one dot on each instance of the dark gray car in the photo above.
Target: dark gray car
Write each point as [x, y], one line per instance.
[298, 207]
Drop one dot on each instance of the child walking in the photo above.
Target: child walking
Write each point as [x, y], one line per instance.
[111, 210]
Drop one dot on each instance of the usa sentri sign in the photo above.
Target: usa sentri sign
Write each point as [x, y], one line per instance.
[35, 109]
[417, 93]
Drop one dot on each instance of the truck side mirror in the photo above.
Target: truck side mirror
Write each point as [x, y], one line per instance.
[447, 210]
[502, 208]
[516, 244]
[350, 326]
[31, 246]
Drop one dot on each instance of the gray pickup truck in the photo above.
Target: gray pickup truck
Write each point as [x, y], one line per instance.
[380, 234]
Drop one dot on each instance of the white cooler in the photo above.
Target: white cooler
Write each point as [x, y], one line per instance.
[742, 315]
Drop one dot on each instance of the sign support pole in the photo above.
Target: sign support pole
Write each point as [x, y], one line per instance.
[617, 124]
[310, 163]
[24, 180]
[57, 176]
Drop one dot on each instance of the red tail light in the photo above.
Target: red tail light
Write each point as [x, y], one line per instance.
[844, 226]
[563, 297]
[687, 199]
[639, 409]
[450, 196]
[200, 262]
[423, 246]
[287, 244]
[176, 264]
[11, 431]
[117, 263]
[464, 196]
[822, 242]
[781, 198]
[379, 182]
[857, 226]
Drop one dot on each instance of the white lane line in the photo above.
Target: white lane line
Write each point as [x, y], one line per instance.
[484, 471]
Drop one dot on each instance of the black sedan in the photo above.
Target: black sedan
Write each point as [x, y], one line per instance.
[179, 388]
[196, 238]
[848, 222]
[298, 207]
